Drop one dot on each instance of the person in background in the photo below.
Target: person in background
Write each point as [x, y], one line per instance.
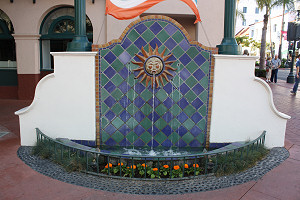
[268, 69]
[276, 62]
[297, 78]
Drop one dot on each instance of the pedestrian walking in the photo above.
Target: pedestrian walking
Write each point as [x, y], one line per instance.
[268, 69]
[276, 64]
[297, 77]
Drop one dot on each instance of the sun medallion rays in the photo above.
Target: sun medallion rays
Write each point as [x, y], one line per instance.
[154, 66]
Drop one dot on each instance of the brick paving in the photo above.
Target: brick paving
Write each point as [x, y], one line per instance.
[18, 181]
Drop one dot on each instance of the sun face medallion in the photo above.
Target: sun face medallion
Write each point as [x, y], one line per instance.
[154, 66]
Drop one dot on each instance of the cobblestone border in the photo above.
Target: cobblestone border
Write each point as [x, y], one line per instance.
[152, 187]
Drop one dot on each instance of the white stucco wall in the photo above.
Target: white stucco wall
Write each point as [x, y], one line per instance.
[242, 105]
[64, 102]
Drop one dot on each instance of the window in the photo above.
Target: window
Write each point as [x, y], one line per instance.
[256, 21]
[256, 10]
[275, 28]
[244, 22]
[244, 9]
[252, 33]
[57, 30]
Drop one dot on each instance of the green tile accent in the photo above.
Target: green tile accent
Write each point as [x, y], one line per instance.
[202, 124]
[192, 52]
[162, 23]
[174, 124]
[105, 136]
[117, 65]
[190, 96]
[160, 123]
[131, 80]
[148, 35]
[146, 123]
[180, 67]
[204, 82]
[202, 110]
[133, 35]
[161, 109]
[192, 66]
[205, 54]
[117, 108]
[117, 136]
[188, 124]
[132, 137]
[132, 50]
[175, 110]
[117, 50]
[176, 95]
[205, 67]
[104, 122]
[178, 52]
[117, 80]
[174, 137]
[117, 94]
[104, 52]
[161, 95]
[132, 123]
[201, 138]
[104, 108]
[203, 96]
[146, 95]
[132, 109]
[104, 79]
[178, 37]
[117, 122]
[104, 64]
[177, 81]
[160, 137]
[146, 137]
[189, 110]
[191, 81]
[188, 137]
[161, 48]
[163, 36]
[104, 94]
[131, 94]
[147, 109]
[149, 23]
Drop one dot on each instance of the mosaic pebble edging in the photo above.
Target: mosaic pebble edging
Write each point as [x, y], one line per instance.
[153, 187]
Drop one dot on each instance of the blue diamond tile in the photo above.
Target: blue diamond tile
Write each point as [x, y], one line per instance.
[110, 142]
[140, 42]
[183, 103]
[182, 117]
[110, 57]
[155, 118]
[155, 42]
[124, 87]
[181, 143]
[110, 87]
[181, 131]
[125, 143]
[184, 74]
[125, 116]
[169, 88]
[139, 88]
[139, 102]
[156, 102]
[139, 130]
[184, 45]
[167, 130]
[168, 117]
[110, 115]
[195, 131]
[124, 57]
[195, 143]
[168, 102]
[109, 72]
[196, 117]
[110, 129]
[124, 73]
[110, 101]
[124, 102]
[139, 116]
[184, 88]
[126, 43]
[198, 89]
[155, 130]
[172, 58]
[153, 143]
[199, 59]
[198, 74]
[167, 143]
[155, 28]
[124, 129]
[197, 103]
[139, 143]
[170, 29]
[185, 59]
[141, 28]
[170, 44]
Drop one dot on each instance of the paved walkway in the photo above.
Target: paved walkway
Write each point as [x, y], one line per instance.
[18, 181]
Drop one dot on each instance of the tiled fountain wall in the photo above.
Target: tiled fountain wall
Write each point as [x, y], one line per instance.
[128, 113]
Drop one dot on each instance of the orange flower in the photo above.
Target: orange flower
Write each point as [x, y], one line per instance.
[186, 166]
[166, 166]
[176, 167]
[154, 169]
[143, 165]
[134, 167]
[120, 164]
[196, 165]
[110, 165]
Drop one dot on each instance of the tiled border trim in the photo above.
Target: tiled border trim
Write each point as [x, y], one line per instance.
[153, 187]
[96, 47]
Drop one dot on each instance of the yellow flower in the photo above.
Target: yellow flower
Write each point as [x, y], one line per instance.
[143, 165]
[120, 164]
[166, 166]
[196, 165]
[186, 166]
[110, 165]
[154, 169]
[134, 167]
[176, 167]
